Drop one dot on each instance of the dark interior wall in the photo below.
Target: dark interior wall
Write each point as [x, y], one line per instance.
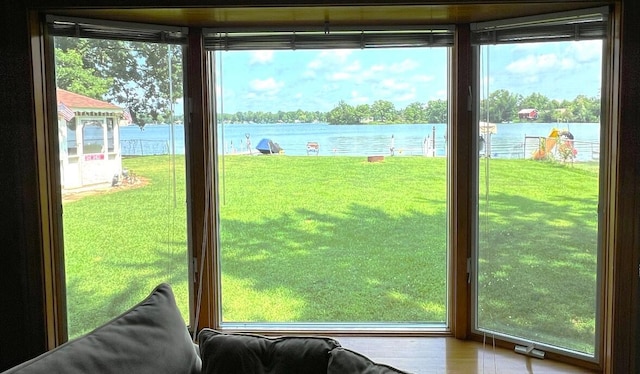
[21, 322]
[629, 204]
[22, 327]
[626, 271]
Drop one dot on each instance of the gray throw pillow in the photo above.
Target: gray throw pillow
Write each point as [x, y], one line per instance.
[151, 337]
[256, 354]
[345, 361]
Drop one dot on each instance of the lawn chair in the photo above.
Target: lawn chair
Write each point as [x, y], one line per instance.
[313, 147]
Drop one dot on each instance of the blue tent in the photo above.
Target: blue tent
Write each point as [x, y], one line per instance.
[268, 147]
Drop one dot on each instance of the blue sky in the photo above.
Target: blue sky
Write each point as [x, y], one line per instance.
[559, 70]
[318, 79]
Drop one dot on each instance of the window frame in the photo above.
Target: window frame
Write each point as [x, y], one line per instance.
[377, 38]
[514, 340]
[200, 155]
[606, 181]
[53, 251]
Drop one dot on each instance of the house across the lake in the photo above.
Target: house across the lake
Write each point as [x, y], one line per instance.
[88, 133]
[529, 114]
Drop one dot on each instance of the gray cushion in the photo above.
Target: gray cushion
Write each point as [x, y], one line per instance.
[345, 361]
[256, 354]
[151, 337]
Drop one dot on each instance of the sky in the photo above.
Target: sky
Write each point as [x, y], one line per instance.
[317, 80]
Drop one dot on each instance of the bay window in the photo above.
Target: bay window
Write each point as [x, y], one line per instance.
[317, 184]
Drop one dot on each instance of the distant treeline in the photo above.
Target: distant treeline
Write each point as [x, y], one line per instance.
[501, 106]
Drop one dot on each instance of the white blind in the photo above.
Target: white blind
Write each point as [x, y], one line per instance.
[574, 25]
[327, 38]
[103, 29]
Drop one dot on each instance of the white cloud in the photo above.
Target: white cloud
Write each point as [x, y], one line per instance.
[354, 67]
[345, 72]
[228, 94]
[387, 83]
[357, 99]
[567, 63]
[393, 85]
[269, 85]
[336, 57]
[330, 87]
[339, 76]
[586, 51]
[315, 64]
[373, 72]
[410, 95]
[404, 66]
[333, 63]
[423, 78]
[533, 64]
[261, 57]
[395, 91]
[309, 74]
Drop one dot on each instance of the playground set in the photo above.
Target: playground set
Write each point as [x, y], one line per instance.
[558, 144]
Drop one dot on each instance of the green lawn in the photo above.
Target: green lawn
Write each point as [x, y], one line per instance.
[314, 239]
[334, 239]
[538, 244]
[121, 244]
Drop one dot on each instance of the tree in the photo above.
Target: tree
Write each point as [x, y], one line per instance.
[503, 106]
[563, 115]
[414, 113]
[139, 73]
[436, 111]
[71, 75]
[535, 101]
[300, 116]
[342, 114]
[363, 113]
[383, 111]
[539, 102]
[585, 109]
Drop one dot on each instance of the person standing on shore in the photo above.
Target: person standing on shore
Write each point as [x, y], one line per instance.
[392, 147]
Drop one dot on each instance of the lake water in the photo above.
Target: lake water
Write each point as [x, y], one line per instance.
[511, 140]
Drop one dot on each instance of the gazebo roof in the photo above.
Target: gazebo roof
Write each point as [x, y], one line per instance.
[81, 103]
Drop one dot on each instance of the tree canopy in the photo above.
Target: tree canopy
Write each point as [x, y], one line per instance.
[134, 75]
[502, 106]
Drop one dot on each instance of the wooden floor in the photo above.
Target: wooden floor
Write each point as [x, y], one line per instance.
[449, 355]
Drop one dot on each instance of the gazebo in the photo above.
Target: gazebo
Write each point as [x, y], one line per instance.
[88, 132]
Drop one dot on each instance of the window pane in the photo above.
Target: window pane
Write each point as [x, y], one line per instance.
[92, 136]
[110, 135]
[123, 178]
[333, 186]
[71, 145]
[538, 194]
